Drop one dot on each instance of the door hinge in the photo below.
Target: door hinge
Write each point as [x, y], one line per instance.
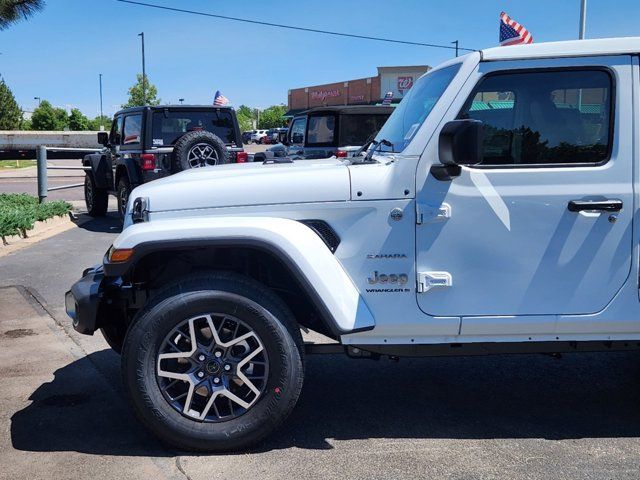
[429, 280]
[427, 214]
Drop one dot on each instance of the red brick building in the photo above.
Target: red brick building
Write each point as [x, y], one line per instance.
[362, 91]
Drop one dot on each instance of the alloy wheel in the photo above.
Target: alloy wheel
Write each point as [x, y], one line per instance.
[202, 155]
[212, 368]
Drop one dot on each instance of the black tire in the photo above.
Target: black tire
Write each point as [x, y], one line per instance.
[124, 191]
[193, 296]
[96, 199]
[114, 334]
[188, 151]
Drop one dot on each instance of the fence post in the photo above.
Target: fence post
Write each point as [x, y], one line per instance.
[41, 155]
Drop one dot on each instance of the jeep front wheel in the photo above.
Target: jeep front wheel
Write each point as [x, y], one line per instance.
[96, 199]
[214, 363]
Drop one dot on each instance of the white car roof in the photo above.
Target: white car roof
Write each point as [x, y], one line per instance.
[570, 48]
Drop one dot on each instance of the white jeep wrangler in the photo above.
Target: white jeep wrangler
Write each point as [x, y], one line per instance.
[494, 214]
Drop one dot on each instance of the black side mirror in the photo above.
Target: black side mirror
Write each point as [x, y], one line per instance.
[460, 143]
[103, 138]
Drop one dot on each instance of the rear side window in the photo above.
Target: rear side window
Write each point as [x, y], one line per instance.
[170, 126]
[116, 131]
[132, 129]
[321, 130]
[357, 129]
[298, 130]
[544, 118]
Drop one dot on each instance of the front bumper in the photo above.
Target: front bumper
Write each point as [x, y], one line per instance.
[83, 300]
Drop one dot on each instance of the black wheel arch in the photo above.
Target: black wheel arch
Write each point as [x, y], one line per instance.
[128, 167]
[99, 168]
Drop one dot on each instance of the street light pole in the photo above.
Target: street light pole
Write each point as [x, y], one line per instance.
[101, 115]
[144, 72]
[181, 100]
[39, 100]
[583, 18]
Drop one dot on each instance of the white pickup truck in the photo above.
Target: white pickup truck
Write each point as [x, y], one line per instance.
[493, 214]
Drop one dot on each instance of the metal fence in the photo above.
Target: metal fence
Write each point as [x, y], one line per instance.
[43, 183]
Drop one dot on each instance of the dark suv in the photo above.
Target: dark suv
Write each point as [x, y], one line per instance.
[146, 143]
[322, 132]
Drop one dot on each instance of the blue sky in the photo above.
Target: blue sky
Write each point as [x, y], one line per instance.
[58, 54]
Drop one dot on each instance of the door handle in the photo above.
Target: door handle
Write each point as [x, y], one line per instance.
[595, 205]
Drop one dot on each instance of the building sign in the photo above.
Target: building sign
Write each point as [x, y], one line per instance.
[357, 98]
[322, 95]
[404, 83]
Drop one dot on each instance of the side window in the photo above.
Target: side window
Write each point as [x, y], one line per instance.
[132, 129]
[297, 131]
[116, 131]
[321, 130]
[544, 118]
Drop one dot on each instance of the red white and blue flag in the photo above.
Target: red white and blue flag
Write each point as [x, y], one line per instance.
[220, 100]
[387, 98]
[512, 33]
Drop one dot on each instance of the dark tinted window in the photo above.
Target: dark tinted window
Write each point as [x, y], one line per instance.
[357, 129]
[167, 128]
[298, 130]
[321, 129]
[553, 117]
[116, 131]
[132, 129]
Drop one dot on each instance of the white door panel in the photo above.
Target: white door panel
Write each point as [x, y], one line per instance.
[511, 245]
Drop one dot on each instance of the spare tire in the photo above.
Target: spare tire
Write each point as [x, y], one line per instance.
[199, 149]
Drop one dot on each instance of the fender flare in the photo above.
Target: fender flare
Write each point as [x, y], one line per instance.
[131, 168]
[299, 248]
[99, 168]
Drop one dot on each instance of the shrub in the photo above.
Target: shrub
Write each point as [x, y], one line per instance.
[19, 212]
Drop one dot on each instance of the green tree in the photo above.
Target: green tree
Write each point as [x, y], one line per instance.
[46, 117]
[245, 118]
[77, 120]
[272, 117]
[136, 96]
[12, 11]
[10, 112]
[100, 121]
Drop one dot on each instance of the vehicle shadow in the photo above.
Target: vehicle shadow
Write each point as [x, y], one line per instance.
[525, 396]
[83, 410]
[108, 224]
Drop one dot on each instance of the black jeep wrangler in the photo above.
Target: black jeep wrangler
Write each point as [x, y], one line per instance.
[146, 143]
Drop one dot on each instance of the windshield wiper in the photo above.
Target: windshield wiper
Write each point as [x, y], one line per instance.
[366, 144]
[377, 146]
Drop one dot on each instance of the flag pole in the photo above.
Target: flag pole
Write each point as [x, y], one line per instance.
[583, 18]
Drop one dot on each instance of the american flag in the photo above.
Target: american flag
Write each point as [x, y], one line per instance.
[512, 33]
[220, 100]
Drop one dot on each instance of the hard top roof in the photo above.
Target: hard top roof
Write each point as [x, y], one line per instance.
[173, 107]
[569, 48]
[353, 109]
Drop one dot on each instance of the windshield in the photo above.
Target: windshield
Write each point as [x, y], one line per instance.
[171, 125]
[415, 107]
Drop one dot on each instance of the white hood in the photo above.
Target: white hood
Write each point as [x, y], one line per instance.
[245, 184]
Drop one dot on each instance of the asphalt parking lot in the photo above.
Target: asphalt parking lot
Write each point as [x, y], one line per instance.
[63, 412]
